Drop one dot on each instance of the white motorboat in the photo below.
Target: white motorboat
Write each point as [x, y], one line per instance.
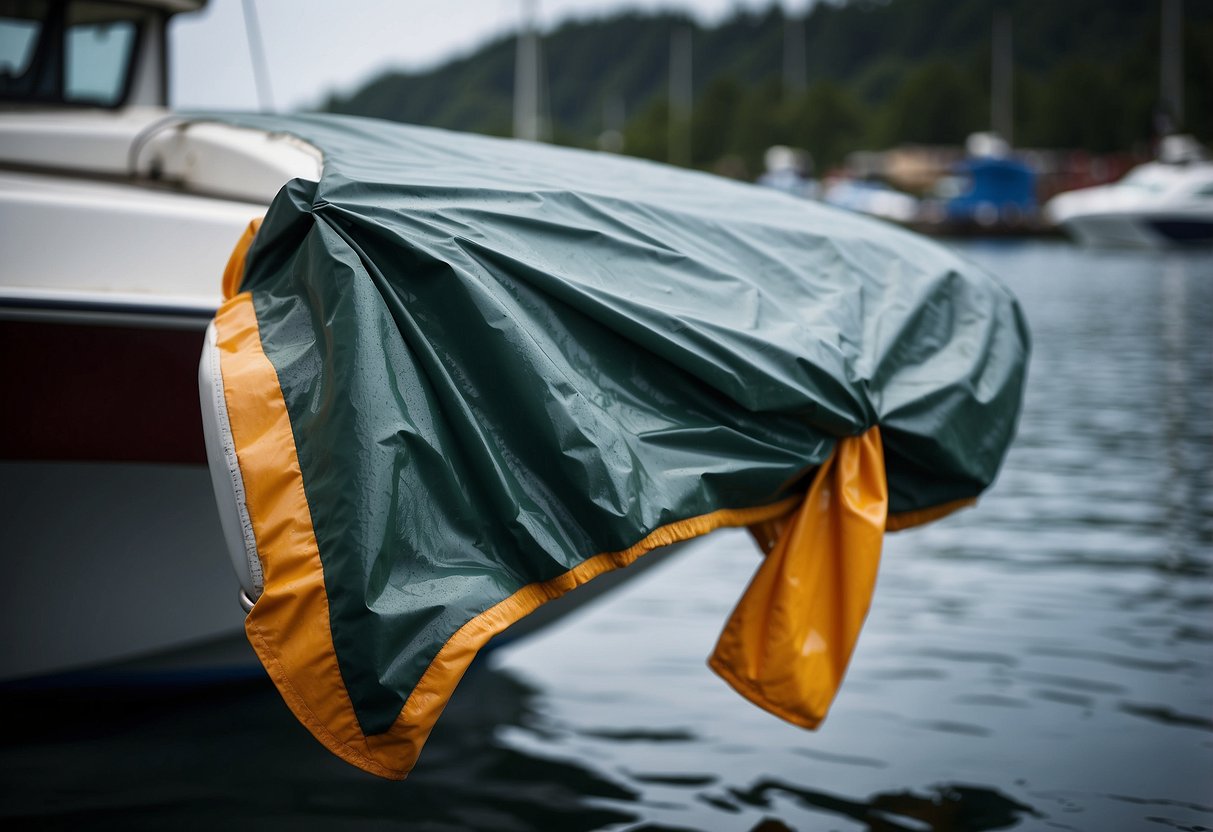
[116, 221]
[117, 218]
[1158, 204]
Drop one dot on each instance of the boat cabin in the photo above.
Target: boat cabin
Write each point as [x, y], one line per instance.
[85, 53]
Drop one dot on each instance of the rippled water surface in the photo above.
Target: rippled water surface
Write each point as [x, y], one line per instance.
[1044, 661]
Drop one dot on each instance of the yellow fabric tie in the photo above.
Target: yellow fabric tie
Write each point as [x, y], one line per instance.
[787, 644]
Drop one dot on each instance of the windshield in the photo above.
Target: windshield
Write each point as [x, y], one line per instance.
[1144, 179]
[78, 53]
[21, 27]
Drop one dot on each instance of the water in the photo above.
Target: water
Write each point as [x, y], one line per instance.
[1044, 661]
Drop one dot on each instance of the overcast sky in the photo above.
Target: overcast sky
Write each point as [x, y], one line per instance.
[314, 46]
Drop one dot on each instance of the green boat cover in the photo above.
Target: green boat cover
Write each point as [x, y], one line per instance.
[464, 375]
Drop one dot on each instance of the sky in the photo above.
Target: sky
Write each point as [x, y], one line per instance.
[313, 47]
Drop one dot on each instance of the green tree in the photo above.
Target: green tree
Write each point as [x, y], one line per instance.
[647, 135]
[1076, 105]
[714, 121]
[827, 121]
[1086, 75]
[1198, 78]
[937, 103]
[760, 123]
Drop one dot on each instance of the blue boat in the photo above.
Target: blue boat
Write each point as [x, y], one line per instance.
[997, 193]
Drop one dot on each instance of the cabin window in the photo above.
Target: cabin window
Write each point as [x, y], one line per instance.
[97, 56]
[18, 40]
[69, 52]
[1144, 180]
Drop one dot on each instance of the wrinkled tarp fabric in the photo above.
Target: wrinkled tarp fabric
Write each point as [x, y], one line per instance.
[500, 360]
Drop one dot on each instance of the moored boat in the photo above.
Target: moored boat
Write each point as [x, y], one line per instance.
[116, 218]
[455, 378]
[1164, 203]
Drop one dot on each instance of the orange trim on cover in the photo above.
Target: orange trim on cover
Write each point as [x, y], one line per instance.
[289, 624]
[233, 273]
[424, 705]
[909, 519]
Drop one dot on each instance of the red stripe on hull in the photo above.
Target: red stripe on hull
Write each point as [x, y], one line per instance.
[99, 392]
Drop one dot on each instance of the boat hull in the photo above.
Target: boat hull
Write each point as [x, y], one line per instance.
[115, 561]
[1140, 231]
[109, 561]
[112, 543]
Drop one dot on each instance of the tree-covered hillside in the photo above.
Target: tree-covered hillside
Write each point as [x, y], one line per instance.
[875, 74]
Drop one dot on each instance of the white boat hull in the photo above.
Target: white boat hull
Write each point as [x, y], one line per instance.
[110, 562]
[1139, 230]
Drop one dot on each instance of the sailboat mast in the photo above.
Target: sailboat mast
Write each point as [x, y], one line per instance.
[1171, 54]
[681, 95]
[526, 75]
[1001, 70]
[256, 49]
[793, 53]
